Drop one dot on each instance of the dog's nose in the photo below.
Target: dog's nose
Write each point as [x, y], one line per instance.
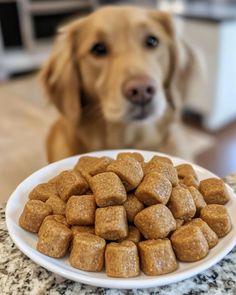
[139, 90]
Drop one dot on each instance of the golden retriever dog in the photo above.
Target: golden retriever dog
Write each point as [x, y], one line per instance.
[119, 78]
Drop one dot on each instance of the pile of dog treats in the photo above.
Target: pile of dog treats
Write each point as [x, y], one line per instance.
[127, 215]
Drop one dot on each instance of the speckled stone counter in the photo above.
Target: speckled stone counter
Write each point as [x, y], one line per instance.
[20, 276]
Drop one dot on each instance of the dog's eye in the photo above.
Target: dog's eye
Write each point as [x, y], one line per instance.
[99, 49]
[151, 41]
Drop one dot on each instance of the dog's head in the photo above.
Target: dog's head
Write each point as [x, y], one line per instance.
[124, 59]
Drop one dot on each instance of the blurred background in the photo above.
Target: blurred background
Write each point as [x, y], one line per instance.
[27, 29]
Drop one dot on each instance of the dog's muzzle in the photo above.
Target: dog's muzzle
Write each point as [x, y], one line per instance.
[139, 91]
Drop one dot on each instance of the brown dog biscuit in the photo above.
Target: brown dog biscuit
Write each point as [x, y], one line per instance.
[184, 170]
[85, 163]
[189, 180]
[80, 210]
[54, 239]
[135, 155]
[154, 189]
[163, 167]
[132, 206]
[208, 233]
[197, 198]
[155, 222]
[129, 170]
[71, 183]
[214, 191]
[108, 189]
[133, 236]
[56, 217]
[43, 191]
[33, 215]
[217, 217]
[157, 257]
[87, 252]
[154, 162]
[189, 243]
[181, 203]
[57, 204]
[92, 165]
[122, 260]
[111, 223]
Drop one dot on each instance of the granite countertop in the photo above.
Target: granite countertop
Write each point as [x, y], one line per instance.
[20, 276]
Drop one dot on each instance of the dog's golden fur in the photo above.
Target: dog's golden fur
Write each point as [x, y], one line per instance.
[87, 89]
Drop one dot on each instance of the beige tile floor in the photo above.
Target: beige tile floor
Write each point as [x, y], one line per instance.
[25, 117]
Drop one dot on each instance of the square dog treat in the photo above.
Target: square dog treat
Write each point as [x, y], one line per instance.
[87, 252]
[155, 222]
[129, 170]
[54, 239]
[101, 165]
[181, 203]
[157, 257]
[154, 189]
[197, 198]
[80, 210]
[33, 215]
[133, 236]
[189, 243]
[57, 204]
[132, 206]
[43, 191]
[164, 168]
[85, 164]
[78, 229]
[184, 170]
[122, 260]
[57, 218]
[71, 183]
[214, 191]
[208, 233]
[111, 223]
[190, 180]
[135, 155]
[154, 162]
[92, 165]
[217, 217]
[108, 189]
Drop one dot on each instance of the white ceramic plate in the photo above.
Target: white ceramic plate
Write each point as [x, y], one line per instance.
[26, 241]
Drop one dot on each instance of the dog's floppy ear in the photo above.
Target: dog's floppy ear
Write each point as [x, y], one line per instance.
[188, 71]
[165, 20]
[60, 74]
[183, 69]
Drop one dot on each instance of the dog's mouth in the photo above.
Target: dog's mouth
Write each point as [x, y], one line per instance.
[129, 112]
[142, 112]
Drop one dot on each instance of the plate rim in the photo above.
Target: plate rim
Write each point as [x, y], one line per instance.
[120, 283]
